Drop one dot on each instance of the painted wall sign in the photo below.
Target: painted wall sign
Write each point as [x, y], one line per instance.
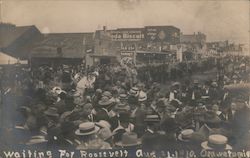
[127, 35]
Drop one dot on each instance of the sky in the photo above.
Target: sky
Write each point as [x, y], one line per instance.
[219, 20]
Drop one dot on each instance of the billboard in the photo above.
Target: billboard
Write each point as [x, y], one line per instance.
[127, 35]
[168, 34]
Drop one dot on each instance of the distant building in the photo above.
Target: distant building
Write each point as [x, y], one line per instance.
[196, 38]
[218, 45]
[16, 40]
[126, 42]
[6, 59]
[153, 43]
[61, 48]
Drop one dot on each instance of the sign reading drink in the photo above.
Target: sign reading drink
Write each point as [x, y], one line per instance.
[125, 35]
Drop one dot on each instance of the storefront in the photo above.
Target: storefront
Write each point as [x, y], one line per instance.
[148, 57]
[97, 59]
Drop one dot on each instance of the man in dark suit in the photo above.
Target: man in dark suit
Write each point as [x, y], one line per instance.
[138, 115]
[194, 94]
[225, 105]
[149, 141]
[207, 93]
[241, 120]
[226, 98]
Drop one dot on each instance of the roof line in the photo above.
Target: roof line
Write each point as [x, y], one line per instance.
[68, 33]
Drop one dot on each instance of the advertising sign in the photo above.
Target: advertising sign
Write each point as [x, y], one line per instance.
[127, 57]
[162, 34]
[128, 47]
[127, 35]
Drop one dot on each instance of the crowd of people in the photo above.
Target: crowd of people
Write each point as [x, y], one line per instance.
[117, 106]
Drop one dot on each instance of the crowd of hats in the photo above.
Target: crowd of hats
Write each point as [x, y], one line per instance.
[123, 111]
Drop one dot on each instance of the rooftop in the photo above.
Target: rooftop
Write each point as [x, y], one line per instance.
[71, 45]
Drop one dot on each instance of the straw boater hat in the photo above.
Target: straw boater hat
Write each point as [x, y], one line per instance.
[142, 96]
[98, 91]
[105, 133]
[51, 111]
[107, 94]
[176, 84]
[214, 84]
[134, 91]
[216, 141]
[86, 128]
[122, 107]
[105, 101]
[185, 135]
[123, 96]
[103, 124]
[129, 139]
[152, 118]
[37, 140]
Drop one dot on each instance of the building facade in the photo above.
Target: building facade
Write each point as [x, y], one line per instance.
[128, 42]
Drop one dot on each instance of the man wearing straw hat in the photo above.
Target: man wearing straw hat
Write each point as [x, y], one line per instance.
[106, 112]
[101, 112]
[133, 96]
[87, 133]
[216, 142]
[122, 106]
[138, 115]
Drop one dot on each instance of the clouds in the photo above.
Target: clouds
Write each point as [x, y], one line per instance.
[220, 20]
